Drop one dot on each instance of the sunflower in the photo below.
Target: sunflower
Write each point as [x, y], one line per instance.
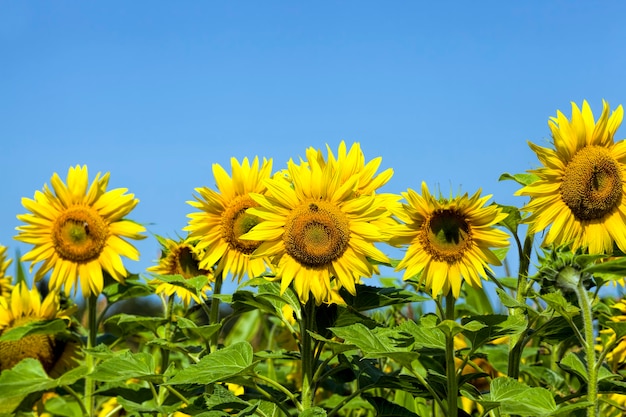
[5, 280]
[449, 239]
[352, 162]
[78, 232]
[179, 258]
[223, 219]
[580, 188]
[616, 358]
[56, 352]
[317, 229]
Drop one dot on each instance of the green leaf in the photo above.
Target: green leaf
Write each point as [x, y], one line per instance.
[196, 284]
[313, 412]
[426, 333]
[575, 364]
[131, 288]
[494, 326]
[24, 378]
[63, 406]
[522, 179]
[203, 332]
[377, 343]
[615, 267]
[217, 366]
[149, 407]
[510, 302]
[126, 365]
[619, 327]
[28, 376]
[369, 298]
[514, 218]
[558, 303]
[385, 408]
[130, 323]
[517, 398]
[36, 327]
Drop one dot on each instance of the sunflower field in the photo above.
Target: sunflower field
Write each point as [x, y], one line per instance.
[319, 324]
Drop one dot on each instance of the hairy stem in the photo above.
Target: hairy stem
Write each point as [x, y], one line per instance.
[450, 364]
[592, 372]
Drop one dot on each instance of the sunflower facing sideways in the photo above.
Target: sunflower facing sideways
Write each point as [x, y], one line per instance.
[222, 219]
[5, 280]
[78, 231]
[317, 230]
[449, 240]
[179, 258]
[56, 352]
[580, 190]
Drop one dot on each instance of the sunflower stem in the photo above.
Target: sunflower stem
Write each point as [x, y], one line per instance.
[592, 372]
[450, 364]
[307, 324]
[516, 342]
[214, 314]
[92, 328]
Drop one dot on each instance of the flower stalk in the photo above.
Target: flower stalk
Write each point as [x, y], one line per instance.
[592, 372]
[450, 363]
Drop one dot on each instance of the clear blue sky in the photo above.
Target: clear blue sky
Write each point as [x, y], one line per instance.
[156, 92]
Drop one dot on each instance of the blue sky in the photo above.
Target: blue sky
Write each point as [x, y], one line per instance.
[156, 92]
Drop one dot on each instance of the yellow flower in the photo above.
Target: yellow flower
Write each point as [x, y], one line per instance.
[223, 219]
[56, 352]
[77, 231]
[179, 258]
[317, 229]
[580, 191]
[449, 239]
[5, 280]
[352, 162]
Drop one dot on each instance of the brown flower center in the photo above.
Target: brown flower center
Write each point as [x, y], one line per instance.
[446, 236]
[592, 184]
[236, 222]
[316, 234]
[38, 346]
[79, 234]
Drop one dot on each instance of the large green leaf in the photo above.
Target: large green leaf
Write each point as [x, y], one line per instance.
[378, 342]
[368, 297]
[34, 327]
[218, 366]
[426, 334]
[514, 397]
[29, 376]
[575, 364]
[126, 365]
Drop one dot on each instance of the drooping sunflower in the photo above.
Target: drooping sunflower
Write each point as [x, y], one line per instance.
[179, 258]
[78, 231]
[223, 218]
[449, 240]
[580, 191]
[5, 280]
[317, 230]
[56, 352]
